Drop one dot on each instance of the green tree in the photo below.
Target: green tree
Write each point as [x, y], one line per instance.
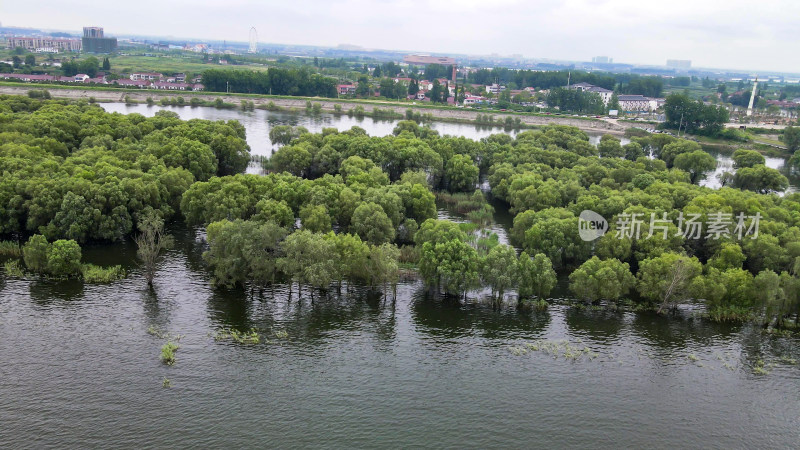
[413, 87]
[232, 152]
[461, 174]
[696, 163]
[791, 138]
[309, 258]
[383, 268]
[363, 89]
[633, 151]
[536, 275]
[499, 269]
[285, 134]
[598, 279]
[64, 258]
[106, 64]
[150, 243]
[372, 224]
[89, 66]
[747, 158]
[30, 60]
[610, 147]
[450, 265]
[693, 116]
[671, 150]
[667, 279]
[35, 252]
[729, 256]
[315, 218]
[268, 210]
[295, 159]
[760, 179]
[613, 104]
[437, 231]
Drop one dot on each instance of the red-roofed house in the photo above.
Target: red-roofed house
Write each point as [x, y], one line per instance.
[132, 83]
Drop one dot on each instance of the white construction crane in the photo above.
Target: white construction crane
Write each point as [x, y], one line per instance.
[752, 98]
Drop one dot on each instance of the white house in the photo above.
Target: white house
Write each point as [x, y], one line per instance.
[604, 93]
[634, 103]
[495, 89]
[146, 76]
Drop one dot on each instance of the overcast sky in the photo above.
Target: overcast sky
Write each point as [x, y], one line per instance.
[739, 34]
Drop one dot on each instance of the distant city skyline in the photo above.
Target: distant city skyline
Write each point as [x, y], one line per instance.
[735, 34]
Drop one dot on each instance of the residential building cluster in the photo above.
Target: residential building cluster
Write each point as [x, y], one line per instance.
[44, 44]
[142, 80]
[627, 103]
[93, 41]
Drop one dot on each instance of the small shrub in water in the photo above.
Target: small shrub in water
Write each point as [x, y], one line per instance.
[97, 274]
[166, 383]
[13, 269]
[168, 353]
[241, 337]
[759, 368]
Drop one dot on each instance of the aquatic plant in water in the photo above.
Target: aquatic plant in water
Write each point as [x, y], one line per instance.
[555, 349]
[13, 269]
[241, 337]
[281, 334]
[97, 274]
[759, 368]
[168, 353]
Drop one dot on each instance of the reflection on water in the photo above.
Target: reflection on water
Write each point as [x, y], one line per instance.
[357, 369]
[257, 123]
[725, 164]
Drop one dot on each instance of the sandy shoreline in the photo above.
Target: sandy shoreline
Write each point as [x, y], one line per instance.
[593, 125]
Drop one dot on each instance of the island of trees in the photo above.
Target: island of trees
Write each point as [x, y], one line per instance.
[342, 208]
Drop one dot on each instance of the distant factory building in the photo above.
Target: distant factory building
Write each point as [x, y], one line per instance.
[94, 41]
[427, 59]
[602, 60]
[679, 63]
[45, 44]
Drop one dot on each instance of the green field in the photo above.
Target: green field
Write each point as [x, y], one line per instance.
[169, 64]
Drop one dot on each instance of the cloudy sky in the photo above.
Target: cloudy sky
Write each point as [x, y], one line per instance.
[738, 34]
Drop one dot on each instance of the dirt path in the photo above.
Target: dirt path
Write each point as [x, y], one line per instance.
[593, 125]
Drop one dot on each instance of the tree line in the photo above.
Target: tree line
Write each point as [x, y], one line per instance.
[273, 81]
